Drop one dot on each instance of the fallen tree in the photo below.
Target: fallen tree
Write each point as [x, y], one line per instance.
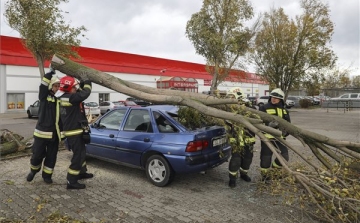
[12, 142]
[329, 188]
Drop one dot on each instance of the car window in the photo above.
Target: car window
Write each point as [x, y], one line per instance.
[113, 120]
[353, 95]
[163, 124]
[139, 121]
[91, 104]
[131, 103]
[36, 104]
[264, 97]
[345, 96]
[118, 103]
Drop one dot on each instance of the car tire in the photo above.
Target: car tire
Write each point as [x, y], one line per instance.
[158, 171]
[261, 104]
[29, 114]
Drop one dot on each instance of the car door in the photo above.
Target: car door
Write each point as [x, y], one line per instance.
[35, 108]
[135, 137]
[104, 135]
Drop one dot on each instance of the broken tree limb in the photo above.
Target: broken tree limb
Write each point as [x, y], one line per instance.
[336, 188]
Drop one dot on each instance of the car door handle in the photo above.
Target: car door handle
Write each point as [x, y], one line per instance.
[111, 135]
[146, 139]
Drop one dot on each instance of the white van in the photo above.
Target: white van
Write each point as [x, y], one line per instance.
[348, 96]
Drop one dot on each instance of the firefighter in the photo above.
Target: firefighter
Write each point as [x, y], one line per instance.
[47, 131]
[75, 124]
[275, 106]
[242, 142]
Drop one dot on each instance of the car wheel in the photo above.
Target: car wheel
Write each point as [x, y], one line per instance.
[29, 114]
[261, 104]
[158, 171]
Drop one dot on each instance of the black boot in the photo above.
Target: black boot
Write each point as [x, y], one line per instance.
[245, 177]
[75, 185]
[86, 176]
[232, 181]
[30, 176]
[48, 180]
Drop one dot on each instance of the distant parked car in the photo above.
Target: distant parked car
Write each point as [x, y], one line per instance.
[150, 138]
[262, 100]
[33, 109]
[129, 104]
[106, 106]
[140, 102]
[92, 107]
[265, 99]
[346, 97]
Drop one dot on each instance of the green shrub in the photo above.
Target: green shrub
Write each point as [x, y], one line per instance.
[305, 103]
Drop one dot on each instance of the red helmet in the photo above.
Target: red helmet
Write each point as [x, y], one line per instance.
[67, 83]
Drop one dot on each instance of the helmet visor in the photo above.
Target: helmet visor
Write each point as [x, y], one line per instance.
[276, 95]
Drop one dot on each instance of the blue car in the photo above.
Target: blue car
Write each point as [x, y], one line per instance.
[151, 138]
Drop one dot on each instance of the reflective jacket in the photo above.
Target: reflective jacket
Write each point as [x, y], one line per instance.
[48, 122]
[275, 109]
[72, 111]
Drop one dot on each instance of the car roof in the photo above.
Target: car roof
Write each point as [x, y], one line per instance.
[167, 108]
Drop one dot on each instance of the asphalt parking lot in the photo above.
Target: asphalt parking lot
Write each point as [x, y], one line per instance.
[122, 194]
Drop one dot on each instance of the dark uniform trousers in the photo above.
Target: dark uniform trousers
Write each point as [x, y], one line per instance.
[242, 159]
[78, 164]
[44, 148]
[266, 154]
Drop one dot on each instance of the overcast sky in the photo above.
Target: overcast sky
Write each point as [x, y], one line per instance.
[157, 27]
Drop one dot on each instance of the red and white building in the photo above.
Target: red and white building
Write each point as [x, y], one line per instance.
[20, 78]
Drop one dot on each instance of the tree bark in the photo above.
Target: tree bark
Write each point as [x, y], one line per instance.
[335, 155]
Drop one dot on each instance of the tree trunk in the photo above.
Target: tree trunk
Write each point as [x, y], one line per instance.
[313, 183]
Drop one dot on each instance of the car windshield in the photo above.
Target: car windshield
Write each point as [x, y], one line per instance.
[130, 103]
[118, 103]
[91, 104]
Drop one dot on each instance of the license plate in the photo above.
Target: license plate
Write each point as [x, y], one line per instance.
[219, 141]
[92, 108]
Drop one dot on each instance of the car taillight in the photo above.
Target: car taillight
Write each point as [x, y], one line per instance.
[194, 146]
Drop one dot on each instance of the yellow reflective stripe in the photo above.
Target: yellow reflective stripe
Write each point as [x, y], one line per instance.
[244, 171]
[267, 135]
[264, 170]
[280, 112]
[57, 117]
[41, 134]
[84, 163]
[73, 132]
[45, 81]
[35, 167]
[62, 134]
[233, 173]
[65, 103]
[51, 99]
[87, 86]
[73, 172]
[47, 170]
[275, 165]
[271, 111]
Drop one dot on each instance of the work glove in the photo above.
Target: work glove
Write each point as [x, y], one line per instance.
[52, 70]
[81, 85]
[284, 133]
[274, 124]
[83, 75]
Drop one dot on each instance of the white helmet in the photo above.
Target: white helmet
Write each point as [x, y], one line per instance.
[277, 93]
[54, 80]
